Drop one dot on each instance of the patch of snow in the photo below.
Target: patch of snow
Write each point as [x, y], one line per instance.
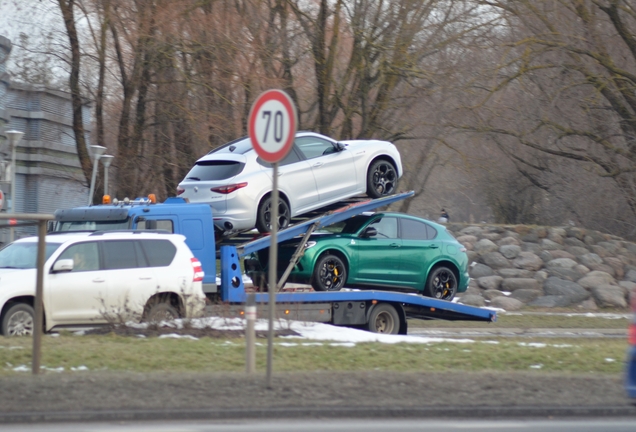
[610, 360]
[532, 344]
[177, 336]
[79, 368]
[22, 368]
[537, 366]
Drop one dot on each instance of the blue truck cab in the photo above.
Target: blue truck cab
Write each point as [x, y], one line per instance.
[174, 215]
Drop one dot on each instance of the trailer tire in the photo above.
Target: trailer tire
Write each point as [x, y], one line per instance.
[441, 283]
[19, 320]
[384, 319]
[330, 273]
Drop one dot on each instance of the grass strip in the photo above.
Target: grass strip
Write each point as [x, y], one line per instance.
[116, 353]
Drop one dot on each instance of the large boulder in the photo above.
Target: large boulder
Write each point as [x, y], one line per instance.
[559, 287]
[513, 284]
[609, 296]
[590, 259]
[528, 261]
[569, 274]
[491, 294]
[595, 279]
[467, 239]
[472, 300]
[506, 303]
[472, 230]
[485, 246]
[480, 270]
[577, 251]
[526, 295]
[562, 254]
[617, 265]
[490, 282]
[510, 251]
[548, 244]
[551, 301]
[515, 273]
[495, 260]
[561, 263]
[509, 240]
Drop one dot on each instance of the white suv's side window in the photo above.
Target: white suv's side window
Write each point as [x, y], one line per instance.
[120, 254]
[85, 256]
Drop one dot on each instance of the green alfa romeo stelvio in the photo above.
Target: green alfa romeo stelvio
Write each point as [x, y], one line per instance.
[392, 251]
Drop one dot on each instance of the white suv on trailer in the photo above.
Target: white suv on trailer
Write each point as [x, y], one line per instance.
[100, 278]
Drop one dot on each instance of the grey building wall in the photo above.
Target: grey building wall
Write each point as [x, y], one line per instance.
[48, 172]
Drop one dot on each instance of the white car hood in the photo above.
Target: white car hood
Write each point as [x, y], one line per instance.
[4, 271]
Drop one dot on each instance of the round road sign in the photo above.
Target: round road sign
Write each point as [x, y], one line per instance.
[272, 125]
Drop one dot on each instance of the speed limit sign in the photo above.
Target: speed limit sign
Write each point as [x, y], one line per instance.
[272, 125]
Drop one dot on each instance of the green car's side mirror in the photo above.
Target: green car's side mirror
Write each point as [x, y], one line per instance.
[370, 232]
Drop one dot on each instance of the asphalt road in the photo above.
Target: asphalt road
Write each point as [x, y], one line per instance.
[350, 425]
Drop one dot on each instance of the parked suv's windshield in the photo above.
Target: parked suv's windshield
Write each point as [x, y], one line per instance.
[23, 255]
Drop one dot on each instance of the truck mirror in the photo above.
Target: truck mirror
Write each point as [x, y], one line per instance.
[50, 226]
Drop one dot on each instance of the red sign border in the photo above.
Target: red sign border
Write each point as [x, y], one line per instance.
[287, 102]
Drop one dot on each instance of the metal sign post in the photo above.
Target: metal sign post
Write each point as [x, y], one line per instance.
[272, 129]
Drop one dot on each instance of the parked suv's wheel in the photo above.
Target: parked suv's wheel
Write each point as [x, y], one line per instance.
[330, 273]
[264, 215]
[441, 284]
[382, 179]
[384, 319]
[19, 320]
[161, 312]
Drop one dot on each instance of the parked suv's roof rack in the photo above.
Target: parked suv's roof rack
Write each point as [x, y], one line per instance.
[156, 231]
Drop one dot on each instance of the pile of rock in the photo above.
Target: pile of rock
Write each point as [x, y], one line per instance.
[516, 266]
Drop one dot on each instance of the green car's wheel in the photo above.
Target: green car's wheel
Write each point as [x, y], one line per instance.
[384, 319]
[441, 284]
[330, 273]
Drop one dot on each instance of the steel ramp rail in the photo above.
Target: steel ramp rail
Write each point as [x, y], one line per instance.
[335, 216]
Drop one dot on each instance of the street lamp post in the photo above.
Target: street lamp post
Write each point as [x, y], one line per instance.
[14, 138]
[97, 151]
[106, 161]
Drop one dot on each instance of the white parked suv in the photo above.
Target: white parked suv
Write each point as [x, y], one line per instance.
[99, 278]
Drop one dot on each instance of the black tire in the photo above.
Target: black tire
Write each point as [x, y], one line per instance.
[384, 319]
[264, 214]
[330, 273]
[160, 311]
[19, 320]
[441, 284]
[382, 179]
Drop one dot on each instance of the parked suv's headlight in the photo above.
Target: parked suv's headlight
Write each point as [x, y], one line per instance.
[310, 244]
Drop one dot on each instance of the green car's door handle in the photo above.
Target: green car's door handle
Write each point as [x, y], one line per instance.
[433, 246]
[395, 245]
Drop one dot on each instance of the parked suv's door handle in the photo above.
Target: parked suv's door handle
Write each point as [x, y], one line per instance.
[99, 280]
[317, 164]
[145, 277]
[395, 245]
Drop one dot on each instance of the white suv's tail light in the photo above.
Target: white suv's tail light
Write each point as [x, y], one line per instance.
[180, 190]
[227, 189]
[198, 270]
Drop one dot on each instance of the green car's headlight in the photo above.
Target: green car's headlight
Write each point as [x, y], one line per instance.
[310, 244]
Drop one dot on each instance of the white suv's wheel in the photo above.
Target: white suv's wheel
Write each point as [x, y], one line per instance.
[19, 320]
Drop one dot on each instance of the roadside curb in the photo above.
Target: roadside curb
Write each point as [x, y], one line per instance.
[465, 412]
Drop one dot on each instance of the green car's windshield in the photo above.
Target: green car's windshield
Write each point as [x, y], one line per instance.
[349, 226]
[23, 255]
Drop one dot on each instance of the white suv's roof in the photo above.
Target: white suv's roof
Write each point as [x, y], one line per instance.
[64, 237]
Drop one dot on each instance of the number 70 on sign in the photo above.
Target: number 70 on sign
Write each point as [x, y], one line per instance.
[272, 125]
